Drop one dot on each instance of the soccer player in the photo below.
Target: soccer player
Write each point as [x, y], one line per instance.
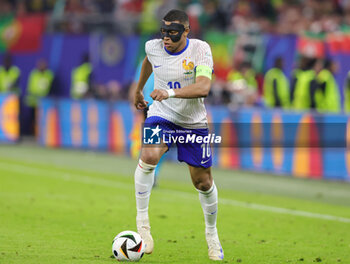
[182, 70]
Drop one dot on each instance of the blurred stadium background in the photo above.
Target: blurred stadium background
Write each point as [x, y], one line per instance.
[69, 136]
[279, 97]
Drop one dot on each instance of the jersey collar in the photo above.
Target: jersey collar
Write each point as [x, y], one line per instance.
[179, 52]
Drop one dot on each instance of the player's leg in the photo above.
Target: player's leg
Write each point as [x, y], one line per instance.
[208, 196]
[199, 158]
[144, 178]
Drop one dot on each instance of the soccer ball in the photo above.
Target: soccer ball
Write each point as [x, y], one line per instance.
[128, 246]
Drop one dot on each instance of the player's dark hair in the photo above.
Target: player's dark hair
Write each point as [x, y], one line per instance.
[177, 15]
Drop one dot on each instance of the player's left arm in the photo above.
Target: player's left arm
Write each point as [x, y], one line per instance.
[198, 89]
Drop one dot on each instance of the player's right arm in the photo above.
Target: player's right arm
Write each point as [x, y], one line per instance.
[146, 71]
[198, 89]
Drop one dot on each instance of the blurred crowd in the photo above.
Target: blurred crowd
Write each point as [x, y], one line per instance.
[275, 16]
[312, 85]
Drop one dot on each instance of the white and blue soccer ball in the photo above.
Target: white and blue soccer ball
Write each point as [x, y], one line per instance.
[128, 246]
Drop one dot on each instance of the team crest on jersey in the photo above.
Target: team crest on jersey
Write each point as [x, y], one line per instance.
[188, 66]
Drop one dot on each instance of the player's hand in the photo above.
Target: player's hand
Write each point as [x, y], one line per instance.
[139, 101]
[159, 95]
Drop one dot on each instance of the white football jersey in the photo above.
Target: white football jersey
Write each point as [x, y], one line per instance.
[177, 70]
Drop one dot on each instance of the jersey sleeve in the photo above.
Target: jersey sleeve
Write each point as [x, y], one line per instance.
[204, 56]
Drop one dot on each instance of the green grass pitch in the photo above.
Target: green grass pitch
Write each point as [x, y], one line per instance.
[66, 206]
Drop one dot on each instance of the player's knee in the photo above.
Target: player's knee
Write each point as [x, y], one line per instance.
[201, 178]
[203, 184]
[149, 158]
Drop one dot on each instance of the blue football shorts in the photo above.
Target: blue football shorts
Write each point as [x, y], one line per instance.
[190, 150]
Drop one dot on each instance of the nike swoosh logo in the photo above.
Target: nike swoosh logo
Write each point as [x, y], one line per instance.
[157, 66]
[204, 161]
[143, 192]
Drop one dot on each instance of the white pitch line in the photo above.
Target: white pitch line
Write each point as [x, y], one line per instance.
[272, 209]
[72, 177]
[281, 210]
[80, 178]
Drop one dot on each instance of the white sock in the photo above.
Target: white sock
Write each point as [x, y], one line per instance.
[209, 202]
[144, 177]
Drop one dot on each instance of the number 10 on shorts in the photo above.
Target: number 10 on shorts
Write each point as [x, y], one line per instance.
[206, 152]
